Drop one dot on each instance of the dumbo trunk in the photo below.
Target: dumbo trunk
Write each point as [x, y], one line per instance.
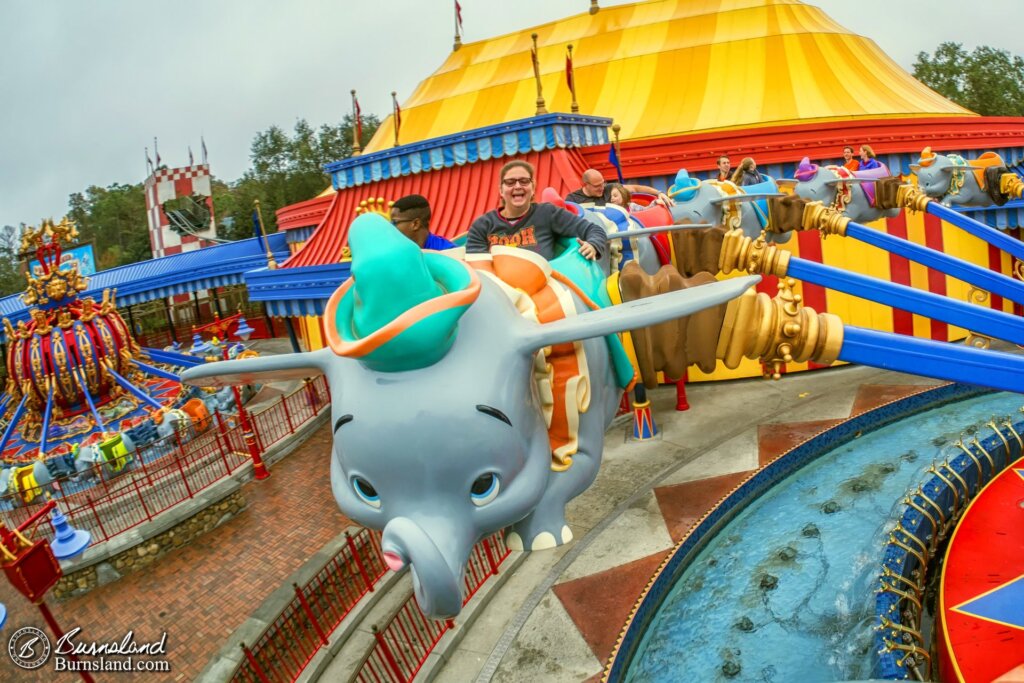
[436, 574]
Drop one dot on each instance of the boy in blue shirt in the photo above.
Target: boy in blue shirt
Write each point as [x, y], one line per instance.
[411, 215]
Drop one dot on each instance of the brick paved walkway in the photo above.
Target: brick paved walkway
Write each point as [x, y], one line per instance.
[201, 593]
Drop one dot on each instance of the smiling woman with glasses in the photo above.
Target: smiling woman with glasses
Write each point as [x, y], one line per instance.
[521, 223]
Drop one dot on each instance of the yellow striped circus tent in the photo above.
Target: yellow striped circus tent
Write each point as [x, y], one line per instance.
[670, 67]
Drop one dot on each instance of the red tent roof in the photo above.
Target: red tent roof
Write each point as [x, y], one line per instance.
[457, 195]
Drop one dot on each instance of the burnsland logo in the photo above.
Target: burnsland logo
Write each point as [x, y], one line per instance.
[29, 648]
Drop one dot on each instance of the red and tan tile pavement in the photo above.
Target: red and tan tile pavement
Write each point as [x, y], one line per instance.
[201, 593]
[612, 593]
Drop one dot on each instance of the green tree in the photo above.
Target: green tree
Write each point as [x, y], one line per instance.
[987, 81]
[113, 219]
[12, 280]
[286, 169]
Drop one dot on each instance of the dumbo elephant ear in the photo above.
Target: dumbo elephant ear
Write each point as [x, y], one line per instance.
[258, 370]
[401, 307]
[805, 170]
[684, 188]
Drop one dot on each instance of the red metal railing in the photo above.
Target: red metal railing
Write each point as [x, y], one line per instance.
[170, 471]
[288, 644]
[406, 641]
[113, 506]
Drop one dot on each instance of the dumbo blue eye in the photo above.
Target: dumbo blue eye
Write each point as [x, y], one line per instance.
[484, 489]
[366, 492]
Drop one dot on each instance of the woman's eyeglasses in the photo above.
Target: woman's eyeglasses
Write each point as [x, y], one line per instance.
[512, 182]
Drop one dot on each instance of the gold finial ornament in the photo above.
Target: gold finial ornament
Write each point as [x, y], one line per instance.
[47, 282]
[271, 263]
[912, 197]
[756, 257]
[377, 205]
[1011, 185]
[778, 330]
[541, 109]
[594, 9]
[828, 221]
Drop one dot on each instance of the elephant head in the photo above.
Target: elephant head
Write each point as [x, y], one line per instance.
[439, 434]
[723, 203]
[933, 172]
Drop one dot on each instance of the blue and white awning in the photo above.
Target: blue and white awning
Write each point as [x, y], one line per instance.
[191, 271]
[295, 292]
[549, 131]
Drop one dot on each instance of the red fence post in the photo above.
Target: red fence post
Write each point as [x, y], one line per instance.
[96, 514]
[287, 414]
[313, 403]
[222, 441]
[388, 656]
[309, 613]
[255, 665]
[490, 556]
[143, 501]
[359, 561]
[181, 467]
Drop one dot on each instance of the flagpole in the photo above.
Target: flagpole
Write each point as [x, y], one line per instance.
[618, 150]
[356, 149]
[396, 117]
[271, 263]
[594, 9]
[541, 109]
[572, 83]
[458, 33]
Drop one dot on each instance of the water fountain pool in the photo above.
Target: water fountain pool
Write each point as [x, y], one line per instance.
[785, 589]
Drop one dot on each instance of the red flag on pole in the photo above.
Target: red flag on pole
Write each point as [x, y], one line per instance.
[397, 115]
[358, 118]
[458, 16]
[568, 71]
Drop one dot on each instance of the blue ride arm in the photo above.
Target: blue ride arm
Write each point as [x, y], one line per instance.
[15, 419]
[46, 421]
[79, 374]
[156, 372]
[954, 362]
[173, 358]
[135, 391]
[980, 230]
[994, 324]
[993, 282]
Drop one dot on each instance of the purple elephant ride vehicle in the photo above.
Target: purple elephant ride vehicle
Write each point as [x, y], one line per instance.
[452, 414]
[851, 193]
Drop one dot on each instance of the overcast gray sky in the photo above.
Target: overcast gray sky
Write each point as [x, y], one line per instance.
[85, 86]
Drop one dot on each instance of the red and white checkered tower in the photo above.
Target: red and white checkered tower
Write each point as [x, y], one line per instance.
[178, 186]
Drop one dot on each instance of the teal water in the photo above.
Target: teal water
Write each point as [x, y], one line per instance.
[786, 590]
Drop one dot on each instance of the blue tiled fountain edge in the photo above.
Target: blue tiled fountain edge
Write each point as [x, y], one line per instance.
[974, 474]
[684, 552]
